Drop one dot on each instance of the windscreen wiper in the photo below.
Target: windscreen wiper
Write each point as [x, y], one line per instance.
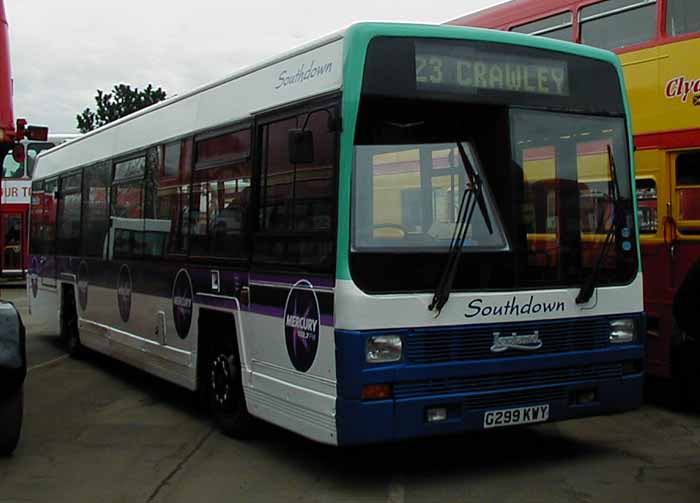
[472, 196]
[588, 287]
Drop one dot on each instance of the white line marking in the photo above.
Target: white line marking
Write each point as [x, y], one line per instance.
[39, 365]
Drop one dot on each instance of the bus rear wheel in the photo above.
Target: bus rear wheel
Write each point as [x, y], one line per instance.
[224, 390]
[69, 324]
[11, 411]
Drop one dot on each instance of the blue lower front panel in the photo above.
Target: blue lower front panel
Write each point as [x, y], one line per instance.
[573, 384]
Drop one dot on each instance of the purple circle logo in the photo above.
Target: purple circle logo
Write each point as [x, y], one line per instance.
[302, 325]
[124, 292]
[83, 285]
[182, 303]
[34, 276]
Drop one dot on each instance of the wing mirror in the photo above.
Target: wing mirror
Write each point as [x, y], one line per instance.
[301, 146]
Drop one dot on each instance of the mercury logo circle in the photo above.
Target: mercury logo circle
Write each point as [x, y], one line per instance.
[124, 292]
[182, 303]
[83, 285]
[302, 325]
[34, 276]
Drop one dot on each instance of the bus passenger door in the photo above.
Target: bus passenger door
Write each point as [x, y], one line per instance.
[290, 320]
[11, 243]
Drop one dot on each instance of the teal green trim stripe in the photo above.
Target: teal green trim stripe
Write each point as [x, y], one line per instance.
[357, 39]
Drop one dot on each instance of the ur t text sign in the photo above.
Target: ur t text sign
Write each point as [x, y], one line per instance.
[16, 191]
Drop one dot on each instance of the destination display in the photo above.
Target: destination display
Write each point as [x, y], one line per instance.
[449, 68]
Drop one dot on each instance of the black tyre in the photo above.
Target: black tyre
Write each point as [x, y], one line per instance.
[224, 390]
[69, 325]
[688, 375]
[11, 409]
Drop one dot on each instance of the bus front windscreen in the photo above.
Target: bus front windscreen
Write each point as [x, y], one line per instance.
[554, 165]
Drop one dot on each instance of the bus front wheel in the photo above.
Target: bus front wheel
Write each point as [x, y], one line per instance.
[10, 421]
[224, 389]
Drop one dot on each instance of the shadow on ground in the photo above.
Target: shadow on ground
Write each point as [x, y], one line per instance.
[473, 453]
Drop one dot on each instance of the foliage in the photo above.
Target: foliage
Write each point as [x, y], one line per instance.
[122, 101]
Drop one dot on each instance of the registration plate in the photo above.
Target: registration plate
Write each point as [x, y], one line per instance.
[519, 415]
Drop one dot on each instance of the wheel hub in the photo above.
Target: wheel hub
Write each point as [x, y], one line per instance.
[222, 380]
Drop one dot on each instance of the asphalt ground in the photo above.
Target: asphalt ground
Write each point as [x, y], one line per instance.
[100, 431]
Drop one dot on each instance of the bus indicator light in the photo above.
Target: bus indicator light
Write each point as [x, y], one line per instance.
[377, 392]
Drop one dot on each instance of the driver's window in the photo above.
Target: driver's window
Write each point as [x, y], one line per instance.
[409, 196]
[396, 197]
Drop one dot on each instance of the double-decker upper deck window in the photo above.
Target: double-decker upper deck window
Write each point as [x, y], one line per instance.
[11, 168]
[618, 23]
[559, 26]
[682, 16]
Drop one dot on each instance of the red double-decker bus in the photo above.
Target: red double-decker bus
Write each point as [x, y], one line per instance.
[15, 182]
[7, 121]
[658, 42]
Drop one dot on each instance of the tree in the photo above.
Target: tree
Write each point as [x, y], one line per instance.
[122, 101]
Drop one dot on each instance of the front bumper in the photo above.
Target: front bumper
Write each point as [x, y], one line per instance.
[467, 389]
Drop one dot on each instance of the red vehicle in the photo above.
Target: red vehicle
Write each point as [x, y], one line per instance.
[14, 177]
[16, 201]
[658, 42]
[7, 121]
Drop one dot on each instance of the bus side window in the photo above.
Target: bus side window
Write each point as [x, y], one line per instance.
[95, 226]
[682, 16]
[221, 196]
[609, 25]
[126, 215]
[647, 206]
[688, 188]
[559, 26]
[37, 218]
[68, 215]
[173, 194]
[48, 234]
[297, 201]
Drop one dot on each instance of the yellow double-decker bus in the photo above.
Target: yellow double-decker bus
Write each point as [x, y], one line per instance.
[658, 42]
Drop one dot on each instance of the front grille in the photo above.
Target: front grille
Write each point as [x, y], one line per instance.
[474, 343]
[530, 378]
[514, 398]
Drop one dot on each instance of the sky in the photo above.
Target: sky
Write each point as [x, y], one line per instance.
[63, 51]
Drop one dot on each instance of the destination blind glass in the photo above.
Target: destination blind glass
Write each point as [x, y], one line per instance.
[493, 73]
[440, 66]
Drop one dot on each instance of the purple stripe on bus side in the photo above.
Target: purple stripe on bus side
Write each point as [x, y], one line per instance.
[324, 282]
[326, 319]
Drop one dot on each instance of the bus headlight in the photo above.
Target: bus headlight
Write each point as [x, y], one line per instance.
[623, 331]
[384, 348]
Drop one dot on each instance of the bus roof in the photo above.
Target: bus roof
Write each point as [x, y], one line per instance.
[265, 86]
[512, 12]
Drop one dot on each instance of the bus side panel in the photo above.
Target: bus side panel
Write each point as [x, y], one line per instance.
[290, 332]
[126, 311]
[44, 299]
